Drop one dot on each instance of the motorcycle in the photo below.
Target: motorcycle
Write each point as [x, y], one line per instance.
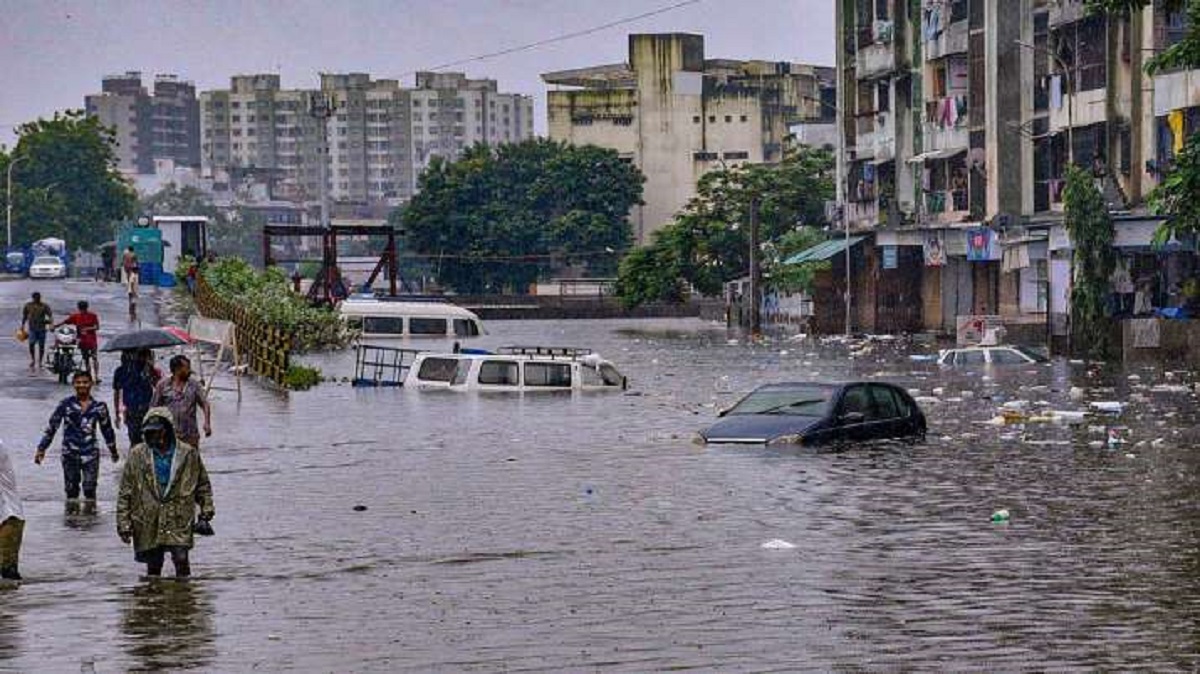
[64, 354]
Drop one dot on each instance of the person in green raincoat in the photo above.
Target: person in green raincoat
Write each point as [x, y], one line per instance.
[162, 486]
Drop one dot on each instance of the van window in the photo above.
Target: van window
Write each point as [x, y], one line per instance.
[383, 325]
[547, 374]
[465, 327]
[885, 404]
[426, 326]
[462, 373]
[499, 372]
[437, 369]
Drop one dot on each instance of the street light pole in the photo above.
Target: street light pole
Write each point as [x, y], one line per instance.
[8, 202]
[1062, 66]
[755, 291]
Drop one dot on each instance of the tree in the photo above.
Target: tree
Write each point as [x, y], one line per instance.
[1091, 229]
[65, 181]
[502, 216]
[708, 243]
[1175, 197]
[230, 234]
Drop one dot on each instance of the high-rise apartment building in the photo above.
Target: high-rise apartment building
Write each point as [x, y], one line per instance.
[677, 115]
[162, 124]
[377, 135]
[958, 119]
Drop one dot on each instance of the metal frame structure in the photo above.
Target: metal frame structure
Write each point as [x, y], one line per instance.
[322, 288]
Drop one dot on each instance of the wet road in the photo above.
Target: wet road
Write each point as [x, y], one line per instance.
[576, 533]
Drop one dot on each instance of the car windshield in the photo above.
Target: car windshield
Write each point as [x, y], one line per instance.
[1037, 357]
[46, 260]
[802, 401]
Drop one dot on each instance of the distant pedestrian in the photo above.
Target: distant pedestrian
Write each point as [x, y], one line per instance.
[131, 268]
[162, 485]
[12, 519]
[133, 388]
[81, 417]
[183, 395]
[190, 277]
[88, 326]
[34, 318]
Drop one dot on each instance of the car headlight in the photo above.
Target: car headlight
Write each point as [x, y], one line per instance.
[791, 439]
[698, 439]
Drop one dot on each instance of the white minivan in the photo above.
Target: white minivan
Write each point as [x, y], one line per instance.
[381, 318]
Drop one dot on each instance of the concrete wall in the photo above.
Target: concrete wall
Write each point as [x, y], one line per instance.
[1179, 343]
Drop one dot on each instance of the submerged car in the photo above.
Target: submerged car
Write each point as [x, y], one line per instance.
[47, 266]
[814, 414]
[990, 355]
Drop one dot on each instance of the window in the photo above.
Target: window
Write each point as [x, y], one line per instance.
[437, 369]
[464, 327]
[969, 358]
[728, 119]
[855, 401]
[695, 119]
[426, 326]
[737, 155]
[885, 404]
[499, 372]
[547, 374]
[743, 118]
[1007, 357]
[383, 325]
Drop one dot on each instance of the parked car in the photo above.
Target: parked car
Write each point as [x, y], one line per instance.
[814, 414]
[47, 266]
[992, 355]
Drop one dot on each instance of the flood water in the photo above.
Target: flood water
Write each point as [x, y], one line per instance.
[580, 532]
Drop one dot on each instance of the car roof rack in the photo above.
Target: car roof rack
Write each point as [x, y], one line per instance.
[552, 351]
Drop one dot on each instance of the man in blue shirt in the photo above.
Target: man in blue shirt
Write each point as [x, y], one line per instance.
[80, 416]
[133, 387]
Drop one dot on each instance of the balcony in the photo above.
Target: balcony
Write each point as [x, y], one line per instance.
[862, 214]
[951, 40]
[946, 206]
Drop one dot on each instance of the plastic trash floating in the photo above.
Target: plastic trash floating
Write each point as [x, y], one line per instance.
[777, 544]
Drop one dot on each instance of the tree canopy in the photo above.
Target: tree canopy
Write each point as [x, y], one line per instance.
[502, 216]
[1090, 226]
[237, 233]
[65, 182]
[708, 243]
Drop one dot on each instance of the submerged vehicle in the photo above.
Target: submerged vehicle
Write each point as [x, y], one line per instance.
[386, 318]
[807, 413]
[990, 355]
[507, 369]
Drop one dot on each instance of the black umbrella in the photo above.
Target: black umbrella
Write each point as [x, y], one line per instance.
[150, 338]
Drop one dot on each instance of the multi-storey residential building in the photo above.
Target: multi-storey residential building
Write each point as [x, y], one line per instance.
[957, 120]
[164, 124]
[377, 135]
[677, 115]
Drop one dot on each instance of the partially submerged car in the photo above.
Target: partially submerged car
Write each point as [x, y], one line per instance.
[990, 355]
[814, 414]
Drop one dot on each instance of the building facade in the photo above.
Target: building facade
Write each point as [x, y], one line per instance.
[162, 124]
[677, 115]
[377, 135]
[957, 119]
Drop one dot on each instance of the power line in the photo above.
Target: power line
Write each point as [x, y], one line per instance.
[564, 36]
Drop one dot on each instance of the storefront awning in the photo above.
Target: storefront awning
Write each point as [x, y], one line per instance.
[935, 154]
[823, 250]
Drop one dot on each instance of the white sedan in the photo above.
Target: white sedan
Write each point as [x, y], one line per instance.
[990, 355]
[47, 266]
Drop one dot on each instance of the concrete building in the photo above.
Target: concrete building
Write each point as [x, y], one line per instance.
[677, 115]
[379, 135]
[957, 119]
[160, 125]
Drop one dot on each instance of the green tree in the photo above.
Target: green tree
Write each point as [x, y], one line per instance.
[708, 243]
[1091, 229]
[65, 181]
[1175, 197]
[230, 234]
[502, 216]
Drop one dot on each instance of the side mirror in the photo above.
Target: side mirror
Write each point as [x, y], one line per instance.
[723, 411]
[852, 418]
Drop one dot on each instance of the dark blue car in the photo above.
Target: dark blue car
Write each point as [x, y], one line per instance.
[814, 414]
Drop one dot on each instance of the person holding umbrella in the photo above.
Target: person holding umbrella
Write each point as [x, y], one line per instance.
[133, 387]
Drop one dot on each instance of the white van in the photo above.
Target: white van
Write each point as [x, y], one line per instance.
[381, 318]
[515, 369]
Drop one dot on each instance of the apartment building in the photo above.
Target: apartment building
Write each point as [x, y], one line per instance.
[162, 124]
[677, 115]
[957, 121]
[378, 136]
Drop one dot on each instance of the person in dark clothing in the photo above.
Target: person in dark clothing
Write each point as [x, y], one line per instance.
[133, 387]
[37, 315]
[80, 416]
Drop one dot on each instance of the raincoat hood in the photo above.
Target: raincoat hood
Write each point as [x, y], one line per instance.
[10, 501]
[163, 415]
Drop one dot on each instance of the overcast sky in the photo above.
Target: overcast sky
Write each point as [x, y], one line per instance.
[54, 52]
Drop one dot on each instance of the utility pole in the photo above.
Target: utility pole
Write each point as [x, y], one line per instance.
[13, 159]
[846, 295]
[320, 107]
[755, 289]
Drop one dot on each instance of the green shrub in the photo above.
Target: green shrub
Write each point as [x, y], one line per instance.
[301, 377]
